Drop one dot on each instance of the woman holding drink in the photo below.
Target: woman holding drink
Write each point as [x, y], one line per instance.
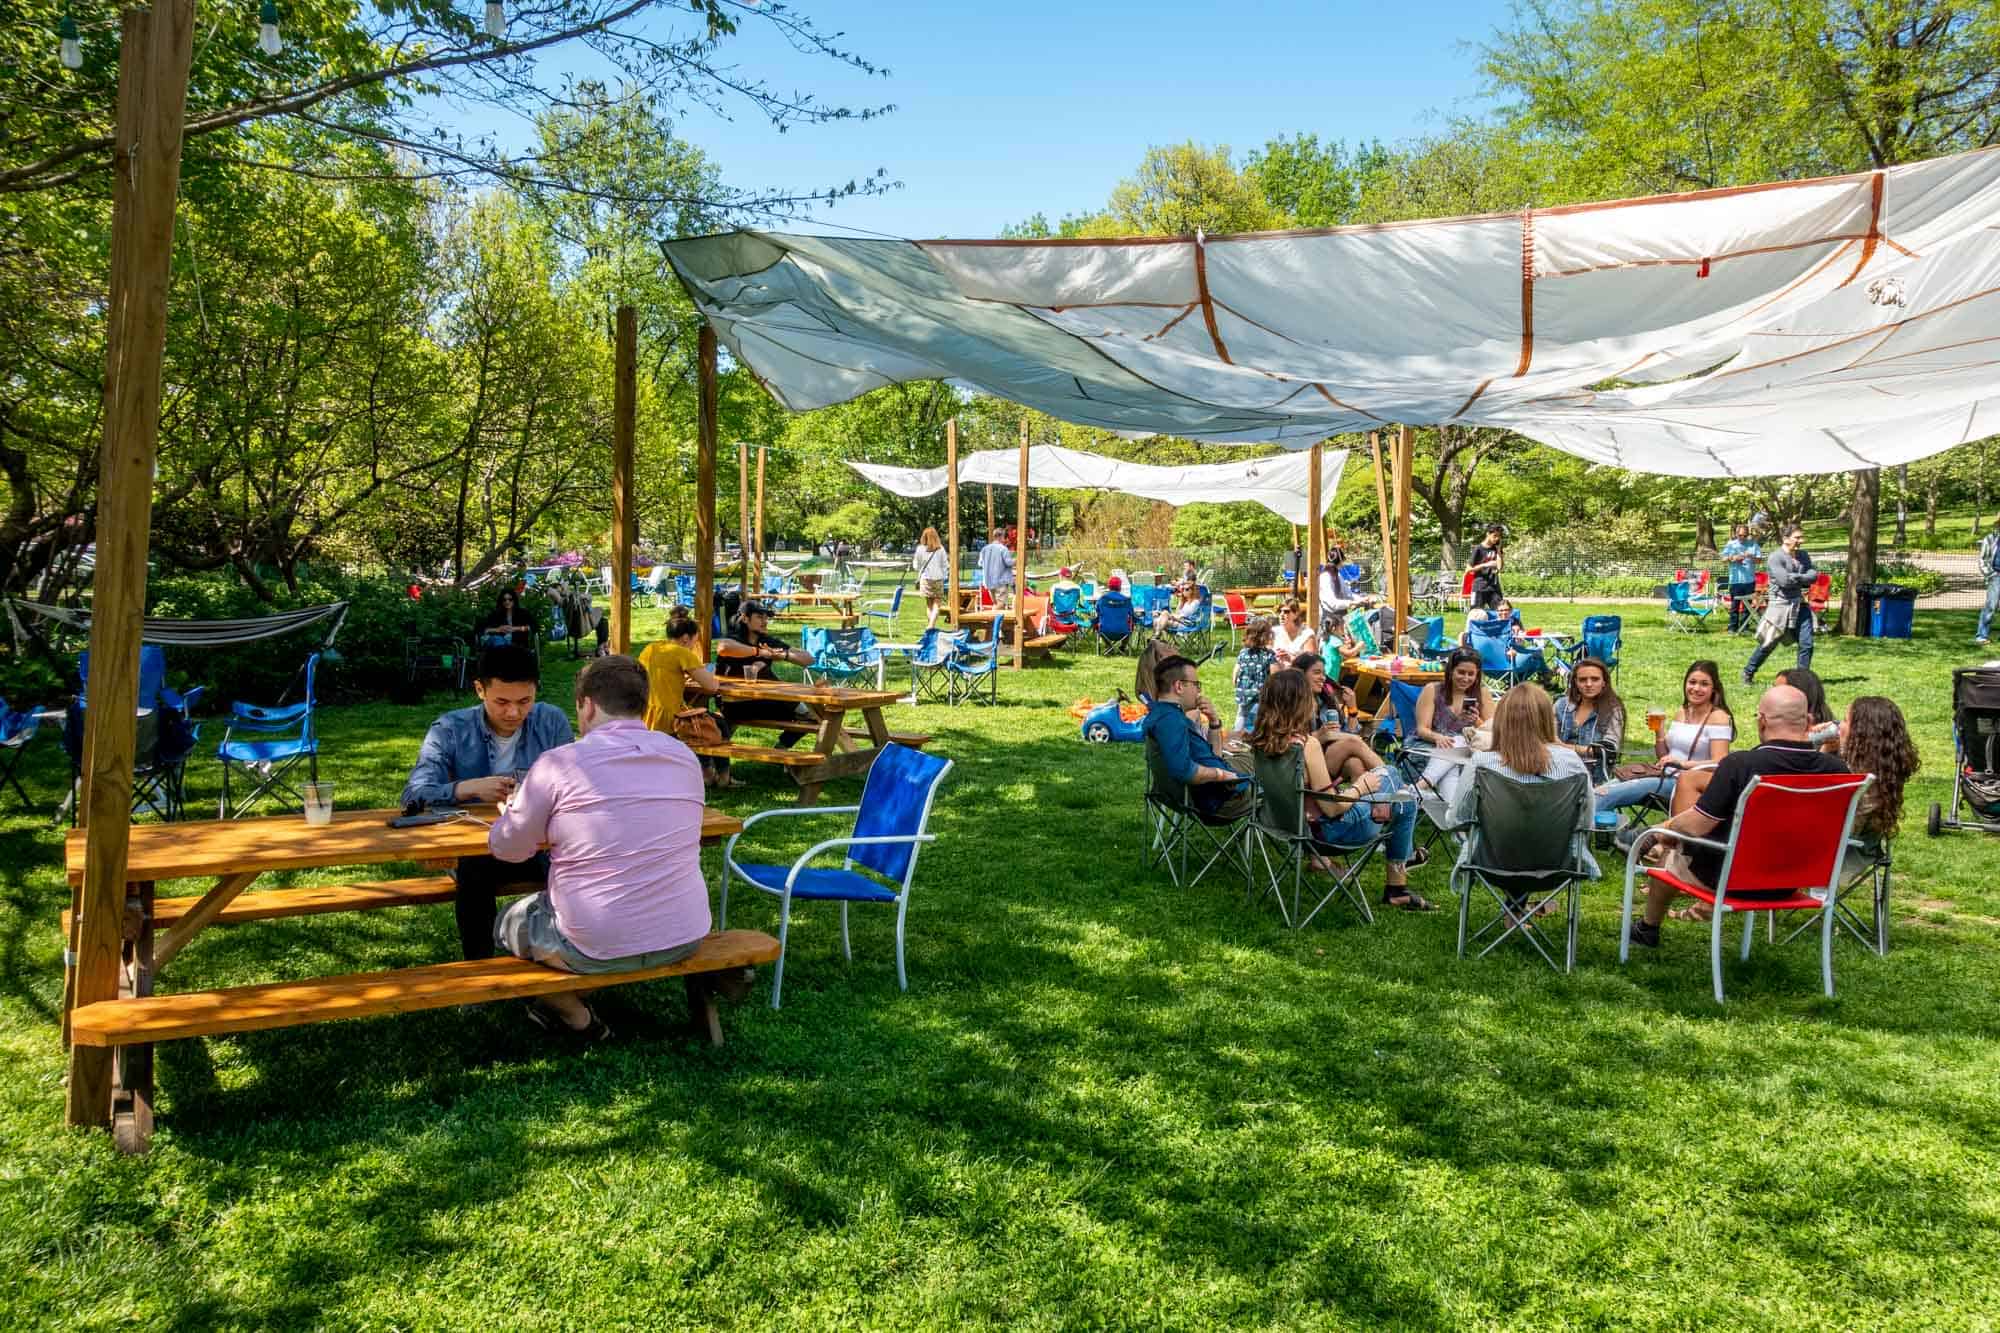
[1700, 733]
[1446, 710]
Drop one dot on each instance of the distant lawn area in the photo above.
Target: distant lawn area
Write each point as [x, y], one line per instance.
[1104, 1101]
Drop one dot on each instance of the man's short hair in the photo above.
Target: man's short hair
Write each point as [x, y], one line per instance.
[1168, 669]
[616, 684]
[1791, 528]
[509, 663]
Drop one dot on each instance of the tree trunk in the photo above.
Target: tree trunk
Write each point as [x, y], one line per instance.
[1902, 505]
[1704, 538]
[1860, 546]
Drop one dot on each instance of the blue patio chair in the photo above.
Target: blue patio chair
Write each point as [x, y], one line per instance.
[893, 604]
[1498, 659]
[1602, 637]
[1193, 635]
[929, 681]
[1116, 624]
[266, 765]
[889, 827]
[16, 730]
[846, 656]
[973, 672]
[1687, 613]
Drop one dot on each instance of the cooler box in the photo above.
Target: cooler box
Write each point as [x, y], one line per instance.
[1892, 609]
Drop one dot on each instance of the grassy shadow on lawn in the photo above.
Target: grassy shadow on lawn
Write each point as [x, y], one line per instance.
[1104, 1100]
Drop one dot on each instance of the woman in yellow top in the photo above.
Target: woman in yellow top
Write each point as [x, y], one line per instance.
[670, 664]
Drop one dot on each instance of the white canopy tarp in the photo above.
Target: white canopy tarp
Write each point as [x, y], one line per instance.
[1802, 326]
[1279, 483]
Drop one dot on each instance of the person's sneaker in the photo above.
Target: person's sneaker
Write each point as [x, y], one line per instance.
[1749, 679]
[1645, 936]
[1625, 837]
[553, 1023]
[1980, 643]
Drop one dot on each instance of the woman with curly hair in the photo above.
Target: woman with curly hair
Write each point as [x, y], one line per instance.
[1874, 739]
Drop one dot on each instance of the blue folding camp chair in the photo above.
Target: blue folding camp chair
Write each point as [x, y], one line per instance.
[1493, 640]
[266, 764]
[1066, 610]
[973, 672]
[1602, 637]
[1687, 613]
[1115, 626]
[929, 680]
[166, 736]
[1192, 635]
[845, 656]
[1428, 635]
[16, 730]
[889, 826]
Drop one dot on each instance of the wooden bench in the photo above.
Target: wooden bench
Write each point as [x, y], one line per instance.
[800, 757]
[283, 1004]
[317, 900]
[1043, 645]
[916, 740]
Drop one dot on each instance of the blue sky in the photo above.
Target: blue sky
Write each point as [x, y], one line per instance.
[1005, 110]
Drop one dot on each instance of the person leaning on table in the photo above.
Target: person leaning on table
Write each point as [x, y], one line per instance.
[620, 811]
[471, 754]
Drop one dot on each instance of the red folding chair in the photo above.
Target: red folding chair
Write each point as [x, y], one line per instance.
[1784, 848]
[1465, 592]
[1239, 611]
[1819, 594]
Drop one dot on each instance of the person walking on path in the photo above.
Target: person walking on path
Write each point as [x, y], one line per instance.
[1792, 576]
[932, 564]
[1989, 569]
[1742, 554]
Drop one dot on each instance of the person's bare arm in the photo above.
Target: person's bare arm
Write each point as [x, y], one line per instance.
[1426, 707]
[1719, 746]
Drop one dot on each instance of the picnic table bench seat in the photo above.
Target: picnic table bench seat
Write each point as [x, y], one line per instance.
[762, 754]
[282, 1004]
[318, 900]
[916, 740]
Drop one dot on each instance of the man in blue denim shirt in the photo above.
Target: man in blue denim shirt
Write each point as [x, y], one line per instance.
[473, 754]
[1213, 785]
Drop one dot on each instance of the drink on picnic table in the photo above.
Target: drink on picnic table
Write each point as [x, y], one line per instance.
[1655, 719]
[318, 802]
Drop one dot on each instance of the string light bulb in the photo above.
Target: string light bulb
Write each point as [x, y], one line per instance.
[267, 29]
[72, 43]
[496, 19]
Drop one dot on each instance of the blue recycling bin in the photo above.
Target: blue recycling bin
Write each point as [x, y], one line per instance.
[1893, 609]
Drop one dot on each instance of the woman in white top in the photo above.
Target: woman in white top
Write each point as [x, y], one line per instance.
[933, 566]
[1292, 635]
[1700, 733]
[1526, 750]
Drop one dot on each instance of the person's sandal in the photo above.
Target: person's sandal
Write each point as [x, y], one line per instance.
[1405, 898]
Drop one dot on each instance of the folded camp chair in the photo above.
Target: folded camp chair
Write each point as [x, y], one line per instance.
[1527, 845]
[1178, 831]
[1115, 627]
[1686, 613]
[890, 825]
[1783, 855]
[16, 730]
[266, 764]
[1278, 843]
[929, 680]
[972, 671]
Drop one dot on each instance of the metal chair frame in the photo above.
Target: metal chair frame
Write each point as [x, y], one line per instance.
[1264, 837]
[271, 770]
[1173, 822]
[1520, 907]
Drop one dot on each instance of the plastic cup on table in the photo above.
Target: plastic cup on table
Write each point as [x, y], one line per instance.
[318, 802]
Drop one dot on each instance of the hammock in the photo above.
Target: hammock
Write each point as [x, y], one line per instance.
[189, 633]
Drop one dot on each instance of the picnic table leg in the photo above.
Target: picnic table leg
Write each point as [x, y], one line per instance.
[707, 1019]
[132, 1071]
[832, 737]
[878, 730]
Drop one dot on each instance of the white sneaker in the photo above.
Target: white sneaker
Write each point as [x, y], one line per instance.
[1980, 643]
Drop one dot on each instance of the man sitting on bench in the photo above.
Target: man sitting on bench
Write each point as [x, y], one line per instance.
[621, 813]
[474, 754]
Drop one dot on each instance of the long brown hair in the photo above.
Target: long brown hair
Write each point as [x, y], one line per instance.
[1524, 726]
[1284, 710]
[1608, 701]
[1878, 742]
[1257, 633]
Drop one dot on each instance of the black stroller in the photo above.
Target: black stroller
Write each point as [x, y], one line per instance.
[1975, 735]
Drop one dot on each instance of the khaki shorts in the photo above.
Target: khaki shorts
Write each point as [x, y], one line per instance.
[931, 587]
[527, 929]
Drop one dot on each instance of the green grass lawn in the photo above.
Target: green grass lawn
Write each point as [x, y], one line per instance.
[1103, 1101]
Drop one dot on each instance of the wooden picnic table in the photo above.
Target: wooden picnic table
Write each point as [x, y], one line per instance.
[236, 852]
[834, 753]
[1252, 594]
[1371, 685]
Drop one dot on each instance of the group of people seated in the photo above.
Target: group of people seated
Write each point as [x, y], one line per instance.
[1696, 775]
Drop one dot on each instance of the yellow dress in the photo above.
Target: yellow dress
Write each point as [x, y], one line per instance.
[667, 664]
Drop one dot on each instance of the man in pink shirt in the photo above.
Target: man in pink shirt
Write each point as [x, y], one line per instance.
[620, 810]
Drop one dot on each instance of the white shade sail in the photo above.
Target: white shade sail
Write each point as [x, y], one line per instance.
[1279, 483]
[1802, 326]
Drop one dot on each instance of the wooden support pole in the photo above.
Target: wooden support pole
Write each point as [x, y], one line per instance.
[1382, 509]
[624, 429]
[990, 524]
[951, 514]
[704, 486]
[154, 52]
[1298, 558]
[1020, 553]
[757, 585]
[1315, 538]
[1399, 588]
[743, 515]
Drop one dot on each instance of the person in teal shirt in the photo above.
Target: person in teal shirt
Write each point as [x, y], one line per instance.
[1742, 553]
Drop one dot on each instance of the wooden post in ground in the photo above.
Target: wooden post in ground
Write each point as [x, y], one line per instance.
[756, 588]
[743, 515]
[1399, 587]
[951, 513]
[154, 51]
[704, 487]
[989, 513]
[624, 427]
[1298, 558]
[1020, 553]
[1315, 539]
[1382, 510]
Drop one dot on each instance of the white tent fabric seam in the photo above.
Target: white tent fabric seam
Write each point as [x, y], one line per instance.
[1278, 483]
[1799, 326]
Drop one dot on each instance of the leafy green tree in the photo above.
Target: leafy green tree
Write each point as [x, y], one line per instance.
[1314, 184]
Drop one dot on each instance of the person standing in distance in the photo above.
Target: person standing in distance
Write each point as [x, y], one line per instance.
[1792, 576]
[996, 567]
[1989, 569]
[1487, 560]
[1741, 554]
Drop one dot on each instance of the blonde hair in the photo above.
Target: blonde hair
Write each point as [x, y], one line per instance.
[1524, 726]
[930, 539]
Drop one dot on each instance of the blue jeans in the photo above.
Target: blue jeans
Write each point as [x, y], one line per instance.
[1356, 825]
[1739, 597]
[1632, 791]
[1992, 605]
[1803, 623]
